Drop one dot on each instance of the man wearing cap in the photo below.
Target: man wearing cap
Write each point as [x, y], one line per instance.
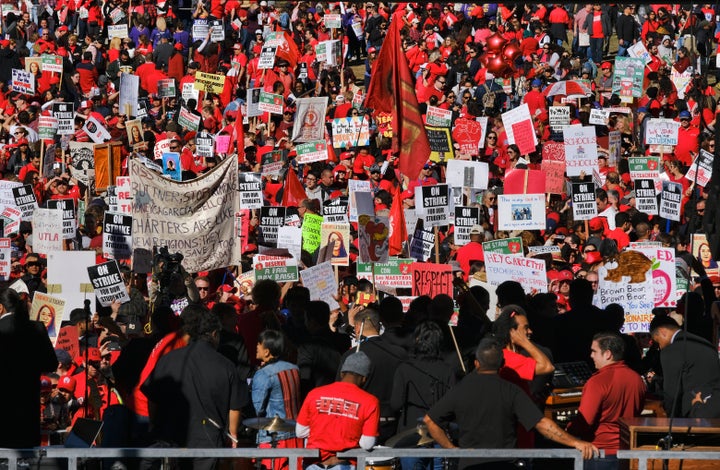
[473, 251]
[534, 98]
[340, 416]
[491, 422]
[688, 133]
[363, 162]
[626, 29]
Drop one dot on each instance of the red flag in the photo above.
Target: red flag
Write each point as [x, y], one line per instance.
[398, 228]
[294, 191]
[289, 51]
[392, 91]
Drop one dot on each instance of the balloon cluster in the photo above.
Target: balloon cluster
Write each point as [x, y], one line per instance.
[500, 56]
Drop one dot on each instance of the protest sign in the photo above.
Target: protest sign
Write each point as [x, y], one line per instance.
[171, 165]
[129, 94]
[583, 201]
[11, 217]
[253, 99]
[276, 268]
[632, 290]
[251, 196]
[23, 82]
[267, 57]
[49, 311]
[468, 134]
[194, 218]
[311, 229]
[67, 206]
[117, 236]
[271, 218]
[438, 117]
[552, 249]
[47, 127]
[188, 120]
[332, 21]
[117, 31]
[337, 234]
[123, 190]
[554, 176]
[108, 283]
[82, 161]
[290, 238]
[580, 150]
[639, 51]
[504, 246]
[320, 281]
[440, 140]
[521, 212]
[525, 137]
[559, 118]
[469, 174]
[422, 243]
[628, 78]
[25, 200]
[645, 196]
[5, 258]
[312, 152]
[209, 82]
[434, 204]
[663, 275]
[350, 132]
[516, 115]
[431, 279]
[373, 233]
[68, 276]
[51, 63]
[644, 167]
[271, 103]
[65, 115]
[167, 88]
[67, 340]
[465, 218]
[529, 272]
[95, 130]
[661, 132]
[396, 273]
[554, 151]
[309, 122]
[599, 117]
[670, 200]
[614, 147]
[700, 171]
[336, 210]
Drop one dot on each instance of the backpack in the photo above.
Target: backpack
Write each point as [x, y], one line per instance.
[488, 99]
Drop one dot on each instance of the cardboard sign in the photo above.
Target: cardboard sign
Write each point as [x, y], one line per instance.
[396, 273]
[554, 176]
[67, 340]
[661, 132]
[108, 283]
[645, 196]
[47, 127]
[188, 120]
[521, 212]
[117, 236]
[670, 201]
[276, 268]
[525, 137]
[438, 117]
[68, 275]
[67, 206]
[580, 150]
[373, 233]
[628, 78]
[209, 82]
[271, 219]
[468, 174]
[336, 210]
[332, 21]
[432, 279]
[309, 125]
[583, 201]
[251, 196]
[465, 218]
[516, 115]
[25, 200]
[271, 103]
[663, 275]
[599, 117]
[49, 311]
[290, 238]
[320, 280]
[434, 203]
[311, 232]
[529, 272]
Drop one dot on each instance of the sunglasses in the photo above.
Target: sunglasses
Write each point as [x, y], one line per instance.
[203, 288]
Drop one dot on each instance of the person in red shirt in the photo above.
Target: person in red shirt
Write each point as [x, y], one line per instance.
[331, 431]
[471, 252]
[535, 99]
[688, 146]
[88, 73]
[615, 391]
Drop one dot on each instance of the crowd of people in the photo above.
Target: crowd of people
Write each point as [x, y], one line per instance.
[267, 349]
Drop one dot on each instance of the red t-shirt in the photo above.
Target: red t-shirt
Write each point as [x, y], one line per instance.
[338, 415]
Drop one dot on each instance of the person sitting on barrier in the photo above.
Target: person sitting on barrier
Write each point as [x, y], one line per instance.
[490, 423]
[340, 416]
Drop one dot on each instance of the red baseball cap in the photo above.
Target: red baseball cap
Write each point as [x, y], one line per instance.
[67, 384]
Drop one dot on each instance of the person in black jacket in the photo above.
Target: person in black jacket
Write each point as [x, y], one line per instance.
[626, 30]
[27, 352]
[9, 60]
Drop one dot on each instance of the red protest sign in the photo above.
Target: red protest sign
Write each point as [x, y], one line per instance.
[554, 151]
[431, 279]
[466, 134]
[524, 136]
[68, 340]
[554, 176]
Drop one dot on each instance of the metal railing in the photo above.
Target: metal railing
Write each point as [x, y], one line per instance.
[510, 454]
[73, 455]
[642, 456]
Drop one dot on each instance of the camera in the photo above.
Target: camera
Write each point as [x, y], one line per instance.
[171, 266]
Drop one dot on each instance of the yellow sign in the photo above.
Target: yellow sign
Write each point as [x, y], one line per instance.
[209, 82]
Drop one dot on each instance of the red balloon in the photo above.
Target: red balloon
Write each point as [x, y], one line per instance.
[496, 42]
[512, 52]
[497, 66]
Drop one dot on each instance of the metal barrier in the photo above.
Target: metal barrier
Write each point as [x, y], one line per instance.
[72, 455]
[570, 454]
[642, 456]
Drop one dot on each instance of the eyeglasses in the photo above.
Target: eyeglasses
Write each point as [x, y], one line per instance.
[203, 288]
[442, 82]
[33, 264]
[174, 147]
[491, 198]
[492, 137]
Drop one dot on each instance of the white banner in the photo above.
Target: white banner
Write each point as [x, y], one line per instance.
[521, 212]
[194, 218]
[529, 272]
[47, 230]
[580, 150]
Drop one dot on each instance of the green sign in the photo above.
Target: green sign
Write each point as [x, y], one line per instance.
[395, 273]
[311, 229]
[504, 246]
